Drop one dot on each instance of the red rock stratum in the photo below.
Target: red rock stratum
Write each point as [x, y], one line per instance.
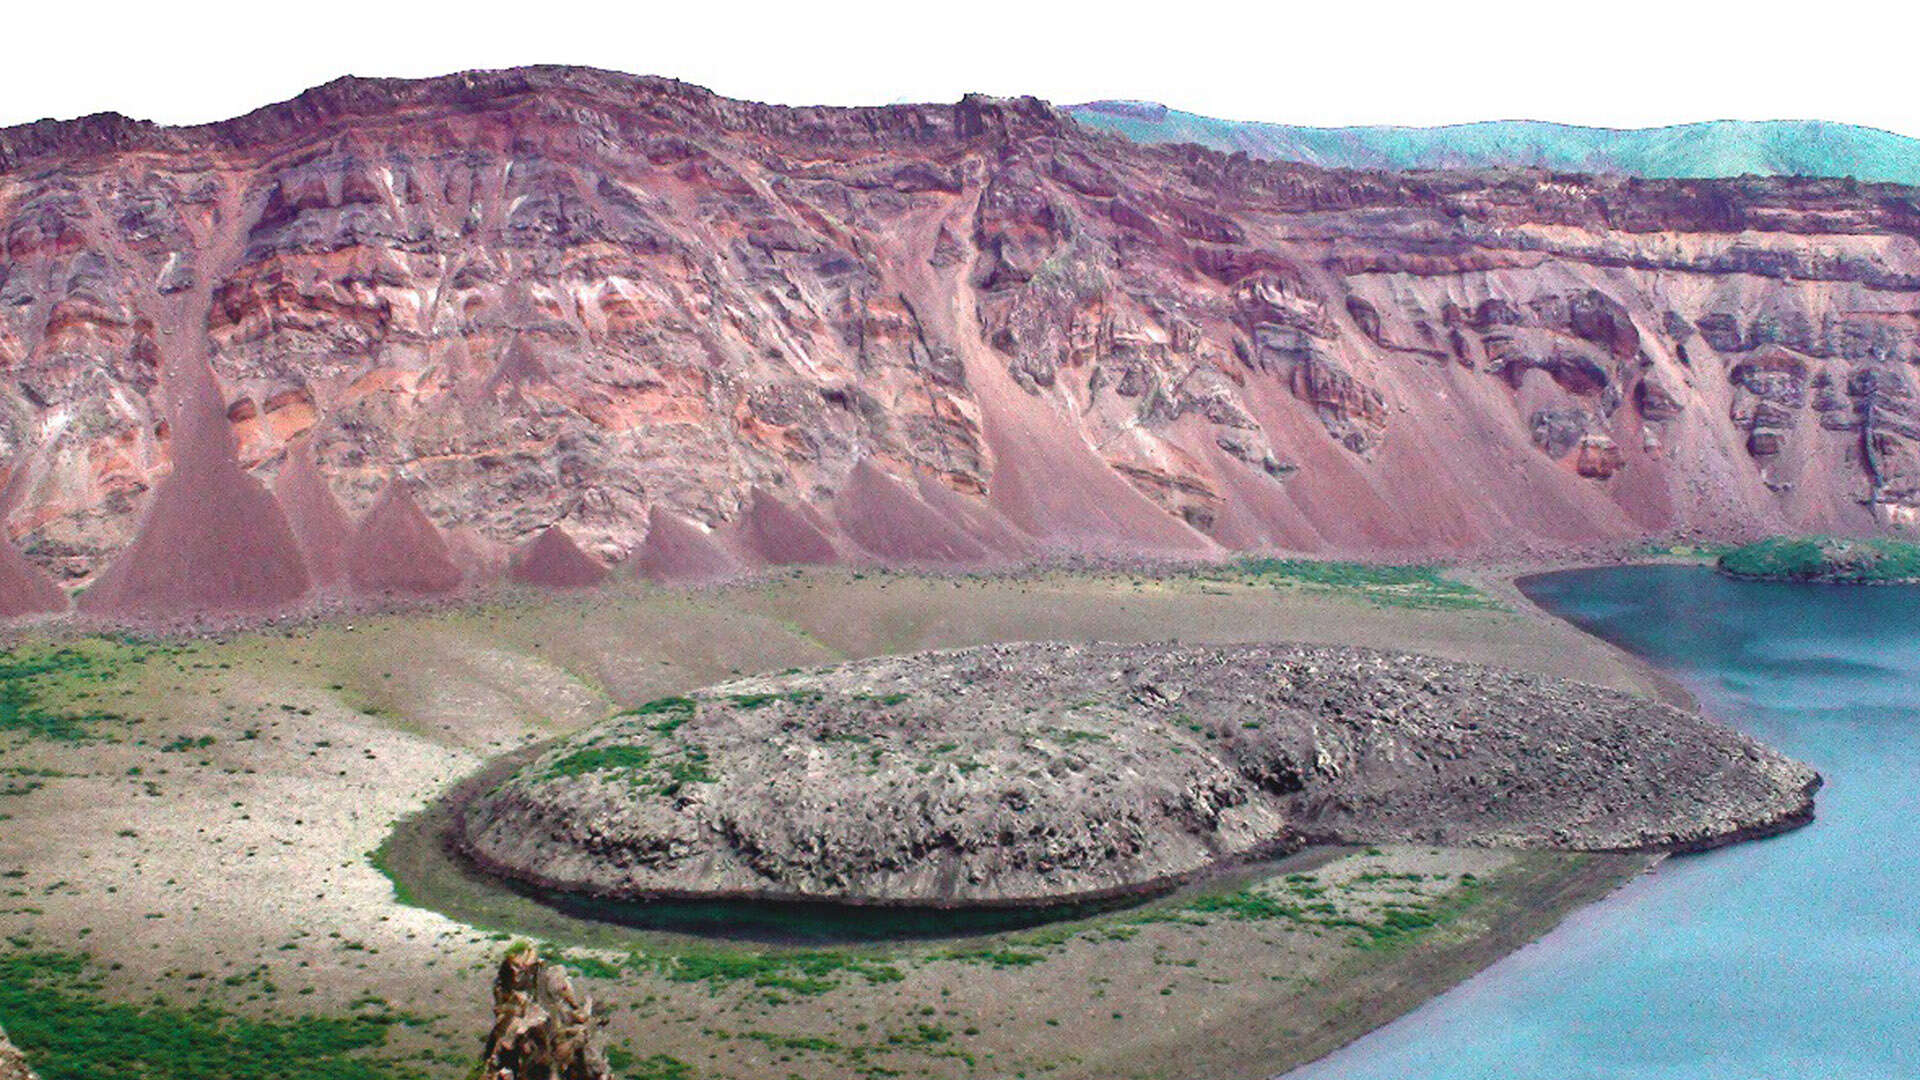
[916, 334]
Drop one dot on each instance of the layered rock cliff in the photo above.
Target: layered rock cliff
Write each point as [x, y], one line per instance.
[929, 333]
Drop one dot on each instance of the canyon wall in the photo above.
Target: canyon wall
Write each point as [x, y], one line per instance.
[917, 334]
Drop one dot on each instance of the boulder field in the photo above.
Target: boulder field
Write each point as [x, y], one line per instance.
[706, 335]
[1028, 774]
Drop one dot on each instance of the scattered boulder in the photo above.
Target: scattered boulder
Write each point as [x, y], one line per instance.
[1558, 431]
[542, 1026]
[1599, 458]
[1658, 399]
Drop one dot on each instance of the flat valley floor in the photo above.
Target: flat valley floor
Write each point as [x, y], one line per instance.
[189, 829]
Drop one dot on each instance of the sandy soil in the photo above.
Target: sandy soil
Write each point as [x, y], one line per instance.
[224, 829]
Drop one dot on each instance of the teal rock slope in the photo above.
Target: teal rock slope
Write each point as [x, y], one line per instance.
[1713, 148]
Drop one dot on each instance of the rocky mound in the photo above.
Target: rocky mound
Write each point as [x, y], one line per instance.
[213, 539]
[781, 533]
[988, 528]
[891, 521]
[479, 558]
[1027, 773]
[553, 560]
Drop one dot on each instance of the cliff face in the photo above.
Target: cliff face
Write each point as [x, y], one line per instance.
[552, 295]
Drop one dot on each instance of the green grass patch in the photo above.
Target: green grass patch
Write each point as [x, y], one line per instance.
[602, 759]
[808, 973]
[51, 1005]
[1000, 959]
[758, 701]
[673, 712]
[1825, 559]
[41, 687]
[1409, 586]
[381, 859]
[1375, 925]
[652, 1067]
[1070, 736]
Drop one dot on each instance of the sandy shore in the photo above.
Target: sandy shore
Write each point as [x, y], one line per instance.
[212, 839]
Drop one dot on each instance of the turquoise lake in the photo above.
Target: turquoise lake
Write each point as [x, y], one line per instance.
[1794, 958]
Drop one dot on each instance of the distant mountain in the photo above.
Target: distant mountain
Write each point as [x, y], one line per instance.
[1713, 148]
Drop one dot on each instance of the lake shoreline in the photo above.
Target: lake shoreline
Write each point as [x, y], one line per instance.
[1648, 981]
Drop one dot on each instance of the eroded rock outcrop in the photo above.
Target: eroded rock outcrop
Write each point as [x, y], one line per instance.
[542, 1027]
[1026, 773]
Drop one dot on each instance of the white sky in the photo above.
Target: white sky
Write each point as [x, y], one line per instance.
[1623, 63]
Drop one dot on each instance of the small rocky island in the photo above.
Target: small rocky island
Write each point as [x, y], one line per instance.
[1827, 560]
[1035, 773]
[1030, 774]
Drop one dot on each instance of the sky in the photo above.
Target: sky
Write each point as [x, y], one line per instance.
[1626, 63]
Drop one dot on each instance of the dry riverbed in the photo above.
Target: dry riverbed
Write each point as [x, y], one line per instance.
[191, 822]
